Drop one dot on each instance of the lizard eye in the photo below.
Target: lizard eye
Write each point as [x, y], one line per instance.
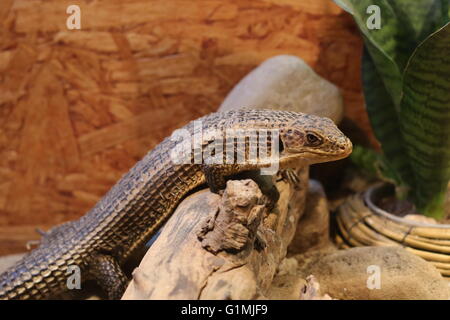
[313, 140]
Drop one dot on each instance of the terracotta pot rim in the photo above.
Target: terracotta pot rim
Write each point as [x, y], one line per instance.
[370, 193]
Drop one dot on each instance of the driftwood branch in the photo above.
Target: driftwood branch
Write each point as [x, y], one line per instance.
[221, 247]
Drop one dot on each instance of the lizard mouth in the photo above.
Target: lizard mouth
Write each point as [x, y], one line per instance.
[313, 155]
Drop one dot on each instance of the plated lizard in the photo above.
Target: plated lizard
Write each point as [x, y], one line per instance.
[102, 240]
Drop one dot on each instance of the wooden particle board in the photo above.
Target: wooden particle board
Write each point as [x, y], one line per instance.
[79, 107]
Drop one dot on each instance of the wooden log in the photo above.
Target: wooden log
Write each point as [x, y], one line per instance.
[221, 247]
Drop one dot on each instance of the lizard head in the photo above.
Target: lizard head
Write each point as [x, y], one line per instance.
[311, 139]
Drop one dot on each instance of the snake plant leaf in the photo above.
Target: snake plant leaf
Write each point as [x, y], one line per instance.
[345, 5]
[419, 19]
[374, 164]
[365, 159]
[385, 123]
[425, 119]
[388, 71]
[404, 24]
[446, 8]
[381, 43]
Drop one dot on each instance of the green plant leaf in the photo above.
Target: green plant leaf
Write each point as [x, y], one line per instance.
[373, 164]
[389, 73]
[345, 5]
[446, 8]
[365, 159]
[381, 43]
[385, 122]
[404, 24]
[407, 92]
[419, 19]
[425, 119]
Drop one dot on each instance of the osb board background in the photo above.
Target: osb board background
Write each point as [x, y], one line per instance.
[79, 107]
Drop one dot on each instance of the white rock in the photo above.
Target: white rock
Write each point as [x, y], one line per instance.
[313, 226]
[374, 273]
[286, 83]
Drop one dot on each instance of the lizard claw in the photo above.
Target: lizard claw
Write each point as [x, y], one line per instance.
[290, 176]
[41, 232]
[31, 243]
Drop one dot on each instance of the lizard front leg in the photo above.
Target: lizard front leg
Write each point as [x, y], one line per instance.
[266, 184]
[109, 275]
[215, 177]
[290, 176]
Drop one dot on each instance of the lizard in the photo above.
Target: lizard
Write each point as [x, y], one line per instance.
[132, 211]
